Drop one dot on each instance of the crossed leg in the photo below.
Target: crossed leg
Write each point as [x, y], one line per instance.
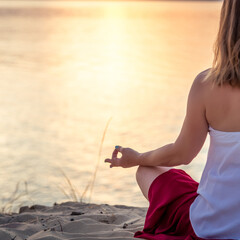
[146, 175]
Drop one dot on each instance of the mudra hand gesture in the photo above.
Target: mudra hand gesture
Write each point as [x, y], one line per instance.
[129, 158]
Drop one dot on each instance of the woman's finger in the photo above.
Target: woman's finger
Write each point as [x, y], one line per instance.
[113, 162]
[108, 160]
[115, 153]
[119, 148]
[116, 162]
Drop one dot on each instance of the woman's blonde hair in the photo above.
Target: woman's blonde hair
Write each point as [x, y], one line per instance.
[226, 63]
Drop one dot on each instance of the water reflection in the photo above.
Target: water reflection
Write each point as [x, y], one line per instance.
[67, 67]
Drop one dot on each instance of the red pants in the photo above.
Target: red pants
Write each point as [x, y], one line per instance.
[170, 196]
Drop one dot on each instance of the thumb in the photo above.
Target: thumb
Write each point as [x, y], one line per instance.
[119, 148]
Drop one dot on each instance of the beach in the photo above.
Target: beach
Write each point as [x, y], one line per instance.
[78, 78]
[73, 221]
[68, 67]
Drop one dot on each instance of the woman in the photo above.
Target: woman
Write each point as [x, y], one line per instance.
[180, 208]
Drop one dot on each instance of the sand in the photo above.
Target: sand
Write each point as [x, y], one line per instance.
[73, 221]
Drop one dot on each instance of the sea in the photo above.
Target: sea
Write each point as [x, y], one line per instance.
[79, 77]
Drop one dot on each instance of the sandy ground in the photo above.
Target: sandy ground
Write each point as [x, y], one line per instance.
[73, 221]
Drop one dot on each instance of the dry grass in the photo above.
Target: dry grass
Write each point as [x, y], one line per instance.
[71, 192]
[11, 202]
[99, 157]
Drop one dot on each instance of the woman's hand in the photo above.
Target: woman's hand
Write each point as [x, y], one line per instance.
[129, 158]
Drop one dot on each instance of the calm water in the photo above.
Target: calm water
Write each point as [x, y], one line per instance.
[67, 67]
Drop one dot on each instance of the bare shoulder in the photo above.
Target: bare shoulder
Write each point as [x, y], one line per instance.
[200, 86]
[200, 78]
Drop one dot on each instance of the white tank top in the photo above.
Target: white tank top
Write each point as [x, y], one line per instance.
[215, 213]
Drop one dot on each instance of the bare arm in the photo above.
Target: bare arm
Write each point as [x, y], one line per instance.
[188, 143]
[191, 137]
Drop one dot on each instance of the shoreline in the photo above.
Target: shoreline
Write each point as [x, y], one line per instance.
[72, 220]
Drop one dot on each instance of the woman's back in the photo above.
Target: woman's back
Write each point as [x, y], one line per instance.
[223, 100]
[215, 213]
[222, 106]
